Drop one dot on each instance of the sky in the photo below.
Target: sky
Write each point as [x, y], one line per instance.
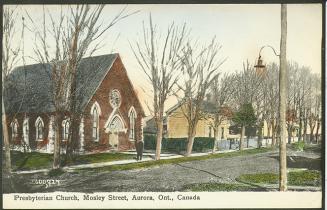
[241, 30]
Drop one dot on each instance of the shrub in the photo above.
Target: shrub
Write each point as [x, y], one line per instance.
[299, 146]
[200, 144]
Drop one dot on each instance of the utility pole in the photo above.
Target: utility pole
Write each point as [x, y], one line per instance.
[282, 101]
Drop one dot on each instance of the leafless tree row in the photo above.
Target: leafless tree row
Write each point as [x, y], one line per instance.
[193, 71]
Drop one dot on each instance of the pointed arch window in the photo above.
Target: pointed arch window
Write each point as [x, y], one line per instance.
[95, 116]
[39, 126]
[95, 124]
[65, 129]
[132, 119]
[25, 130]
[14, 129]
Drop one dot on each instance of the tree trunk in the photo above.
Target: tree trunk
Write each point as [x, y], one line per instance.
[159, 138]
[242, 136]
[190, 140]
[299, 136]
[305, 125]
[74, 124]
[260, 136]
[282, 101]
[71, 99]
[317, 131]
[289, 133]
[311, 135]
[72, 138]
[216, 136]
[56, 153]
[268, 134]
[273, 135]
[7, 166]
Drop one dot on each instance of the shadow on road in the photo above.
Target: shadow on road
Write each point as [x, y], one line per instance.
[208, 172]
[302, 162]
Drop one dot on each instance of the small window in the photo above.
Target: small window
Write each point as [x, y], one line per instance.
[65, 130]
[39, 126]
[25, 129]
[39, 130]
[14, 129]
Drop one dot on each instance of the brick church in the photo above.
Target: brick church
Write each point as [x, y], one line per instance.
[110, 111]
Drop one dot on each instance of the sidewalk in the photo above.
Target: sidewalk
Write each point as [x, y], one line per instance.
[290, 187]
[121, 162]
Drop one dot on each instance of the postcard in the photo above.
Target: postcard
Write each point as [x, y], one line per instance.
[112, 106]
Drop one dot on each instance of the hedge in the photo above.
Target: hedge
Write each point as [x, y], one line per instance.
[200, 144]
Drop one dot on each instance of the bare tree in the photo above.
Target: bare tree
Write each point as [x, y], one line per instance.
[314, 108]
[260, 103]
[159, 59]
[10, 57]
[282, 101]
[302, 101]
[200, 69]
[222, 91]
[299, 100]
[76, 34]
[247, 83]
[293, 96]
[271, 90]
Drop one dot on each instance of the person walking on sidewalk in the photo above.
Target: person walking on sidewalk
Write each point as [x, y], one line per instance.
[139, 149]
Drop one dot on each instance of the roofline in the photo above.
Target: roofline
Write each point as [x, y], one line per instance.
[109, 68]
[117, 55]
[137, 98]
[179, 104]
[173, 108]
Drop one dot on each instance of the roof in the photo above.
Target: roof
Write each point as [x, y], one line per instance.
[208, 107]
[150, 126]
[29, 88]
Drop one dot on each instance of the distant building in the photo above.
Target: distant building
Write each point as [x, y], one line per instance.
[176, 125]
[110, 111]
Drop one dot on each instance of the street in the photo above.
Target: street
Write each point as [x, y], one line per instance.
[170, 177]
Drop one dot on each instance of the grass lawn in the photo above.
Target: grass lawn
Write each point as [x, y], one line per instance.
[178, 160]
[215, 187]
[297, 178]
[101, 157]
[251, 181]
[30, 161]
[35, 160]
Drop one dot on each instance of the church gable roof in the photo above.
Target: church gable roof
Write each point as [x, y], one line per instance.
[29, 88]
